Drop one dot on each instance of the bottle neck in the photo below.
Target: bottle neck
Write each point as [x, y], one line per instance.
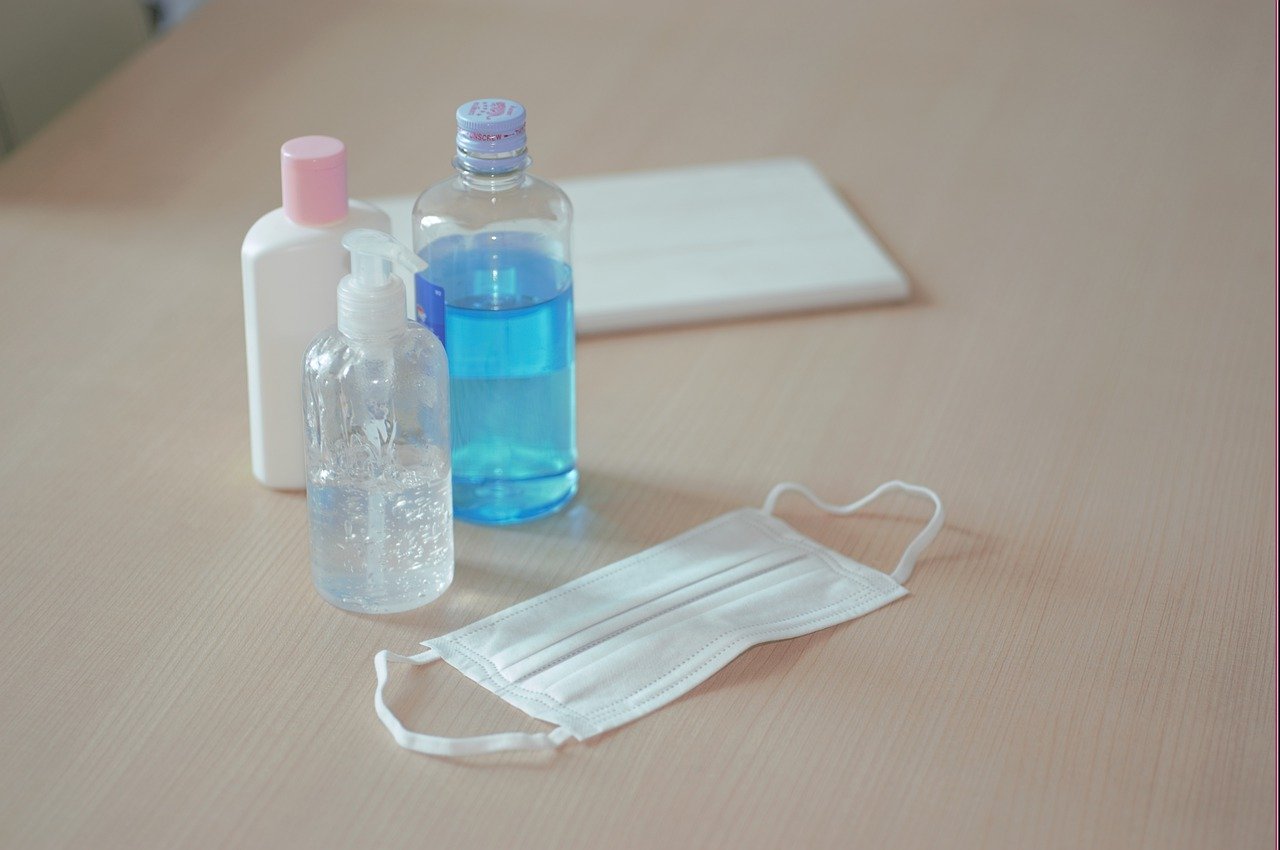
[491, 172]
[380, 340]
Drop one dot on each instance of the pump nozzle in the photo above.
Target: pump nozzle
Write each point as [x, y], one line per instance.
[371, 300]
[372, 254]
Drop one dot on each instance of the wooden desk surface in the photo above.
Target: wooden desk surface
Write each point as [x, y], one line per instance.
[1084, 196]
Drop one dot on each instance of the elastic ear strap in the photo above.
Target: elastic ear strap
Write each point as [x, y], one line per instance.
[436, 745]
[907, 563]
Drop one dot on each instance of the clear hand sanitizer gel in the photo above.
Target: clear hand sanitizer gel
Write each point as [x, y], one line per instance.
[499, 292]
[376, 402]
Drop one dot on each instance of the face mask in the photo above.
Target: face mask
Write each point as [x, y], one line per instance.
[629, 638]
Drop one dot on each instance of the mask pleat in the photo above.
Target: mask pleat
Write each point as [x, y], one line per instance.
[668, 641]
[708, 550]
[616, 628]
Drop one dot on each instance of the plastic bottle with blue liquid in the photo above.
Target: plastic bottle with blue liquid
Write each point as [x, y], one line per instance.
[498, 291]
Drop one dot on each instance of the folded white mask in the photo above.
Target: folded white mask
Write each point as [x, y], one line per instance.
[629, 638]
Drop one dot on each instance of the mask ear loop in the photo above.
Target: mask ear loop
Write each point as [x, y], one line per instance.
[437, 745]
[907, 563]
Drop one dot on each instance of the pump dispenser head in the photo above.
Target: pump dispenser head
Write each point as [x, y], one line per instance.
[371, 299]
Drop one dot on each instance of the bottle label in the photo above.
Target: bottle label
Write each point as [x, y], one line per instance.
[429, 300]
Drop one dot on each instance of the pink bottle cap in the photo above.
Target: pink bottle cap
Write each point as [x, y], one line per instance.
[313, 176]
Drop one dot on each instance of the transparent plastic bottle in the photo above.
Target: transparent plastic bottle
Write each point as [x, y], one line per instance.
[376, 403]
[499, 292]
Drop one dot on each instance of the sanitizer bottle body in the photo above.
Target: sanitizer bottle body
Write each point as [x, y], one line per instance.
[376, 407]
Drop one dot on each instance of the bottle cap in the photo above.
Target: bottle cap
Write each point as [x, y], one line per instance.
[313, 179]
[491, 135]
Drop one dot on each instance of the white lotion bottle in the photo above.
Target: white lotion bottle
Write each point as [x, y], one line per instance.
[376, 396]
[290, 259]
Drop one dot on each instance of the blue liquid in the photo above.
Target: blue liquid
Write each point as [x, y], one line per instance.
[509, 337]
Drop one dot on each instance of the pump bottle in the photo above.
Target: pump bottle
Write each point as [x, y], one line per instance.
[290, 259]
[376, 406]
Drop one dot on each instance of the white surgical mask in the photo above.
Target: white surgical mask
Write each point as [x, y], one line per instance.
[627, 639]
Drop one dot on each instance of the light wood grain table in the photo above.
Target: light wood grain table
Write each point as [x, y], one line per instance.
[1084, 196]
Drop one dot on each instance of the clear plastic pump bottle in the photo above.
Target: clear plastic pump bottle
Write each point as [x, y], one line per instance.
[499, 291]
[376, 402]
